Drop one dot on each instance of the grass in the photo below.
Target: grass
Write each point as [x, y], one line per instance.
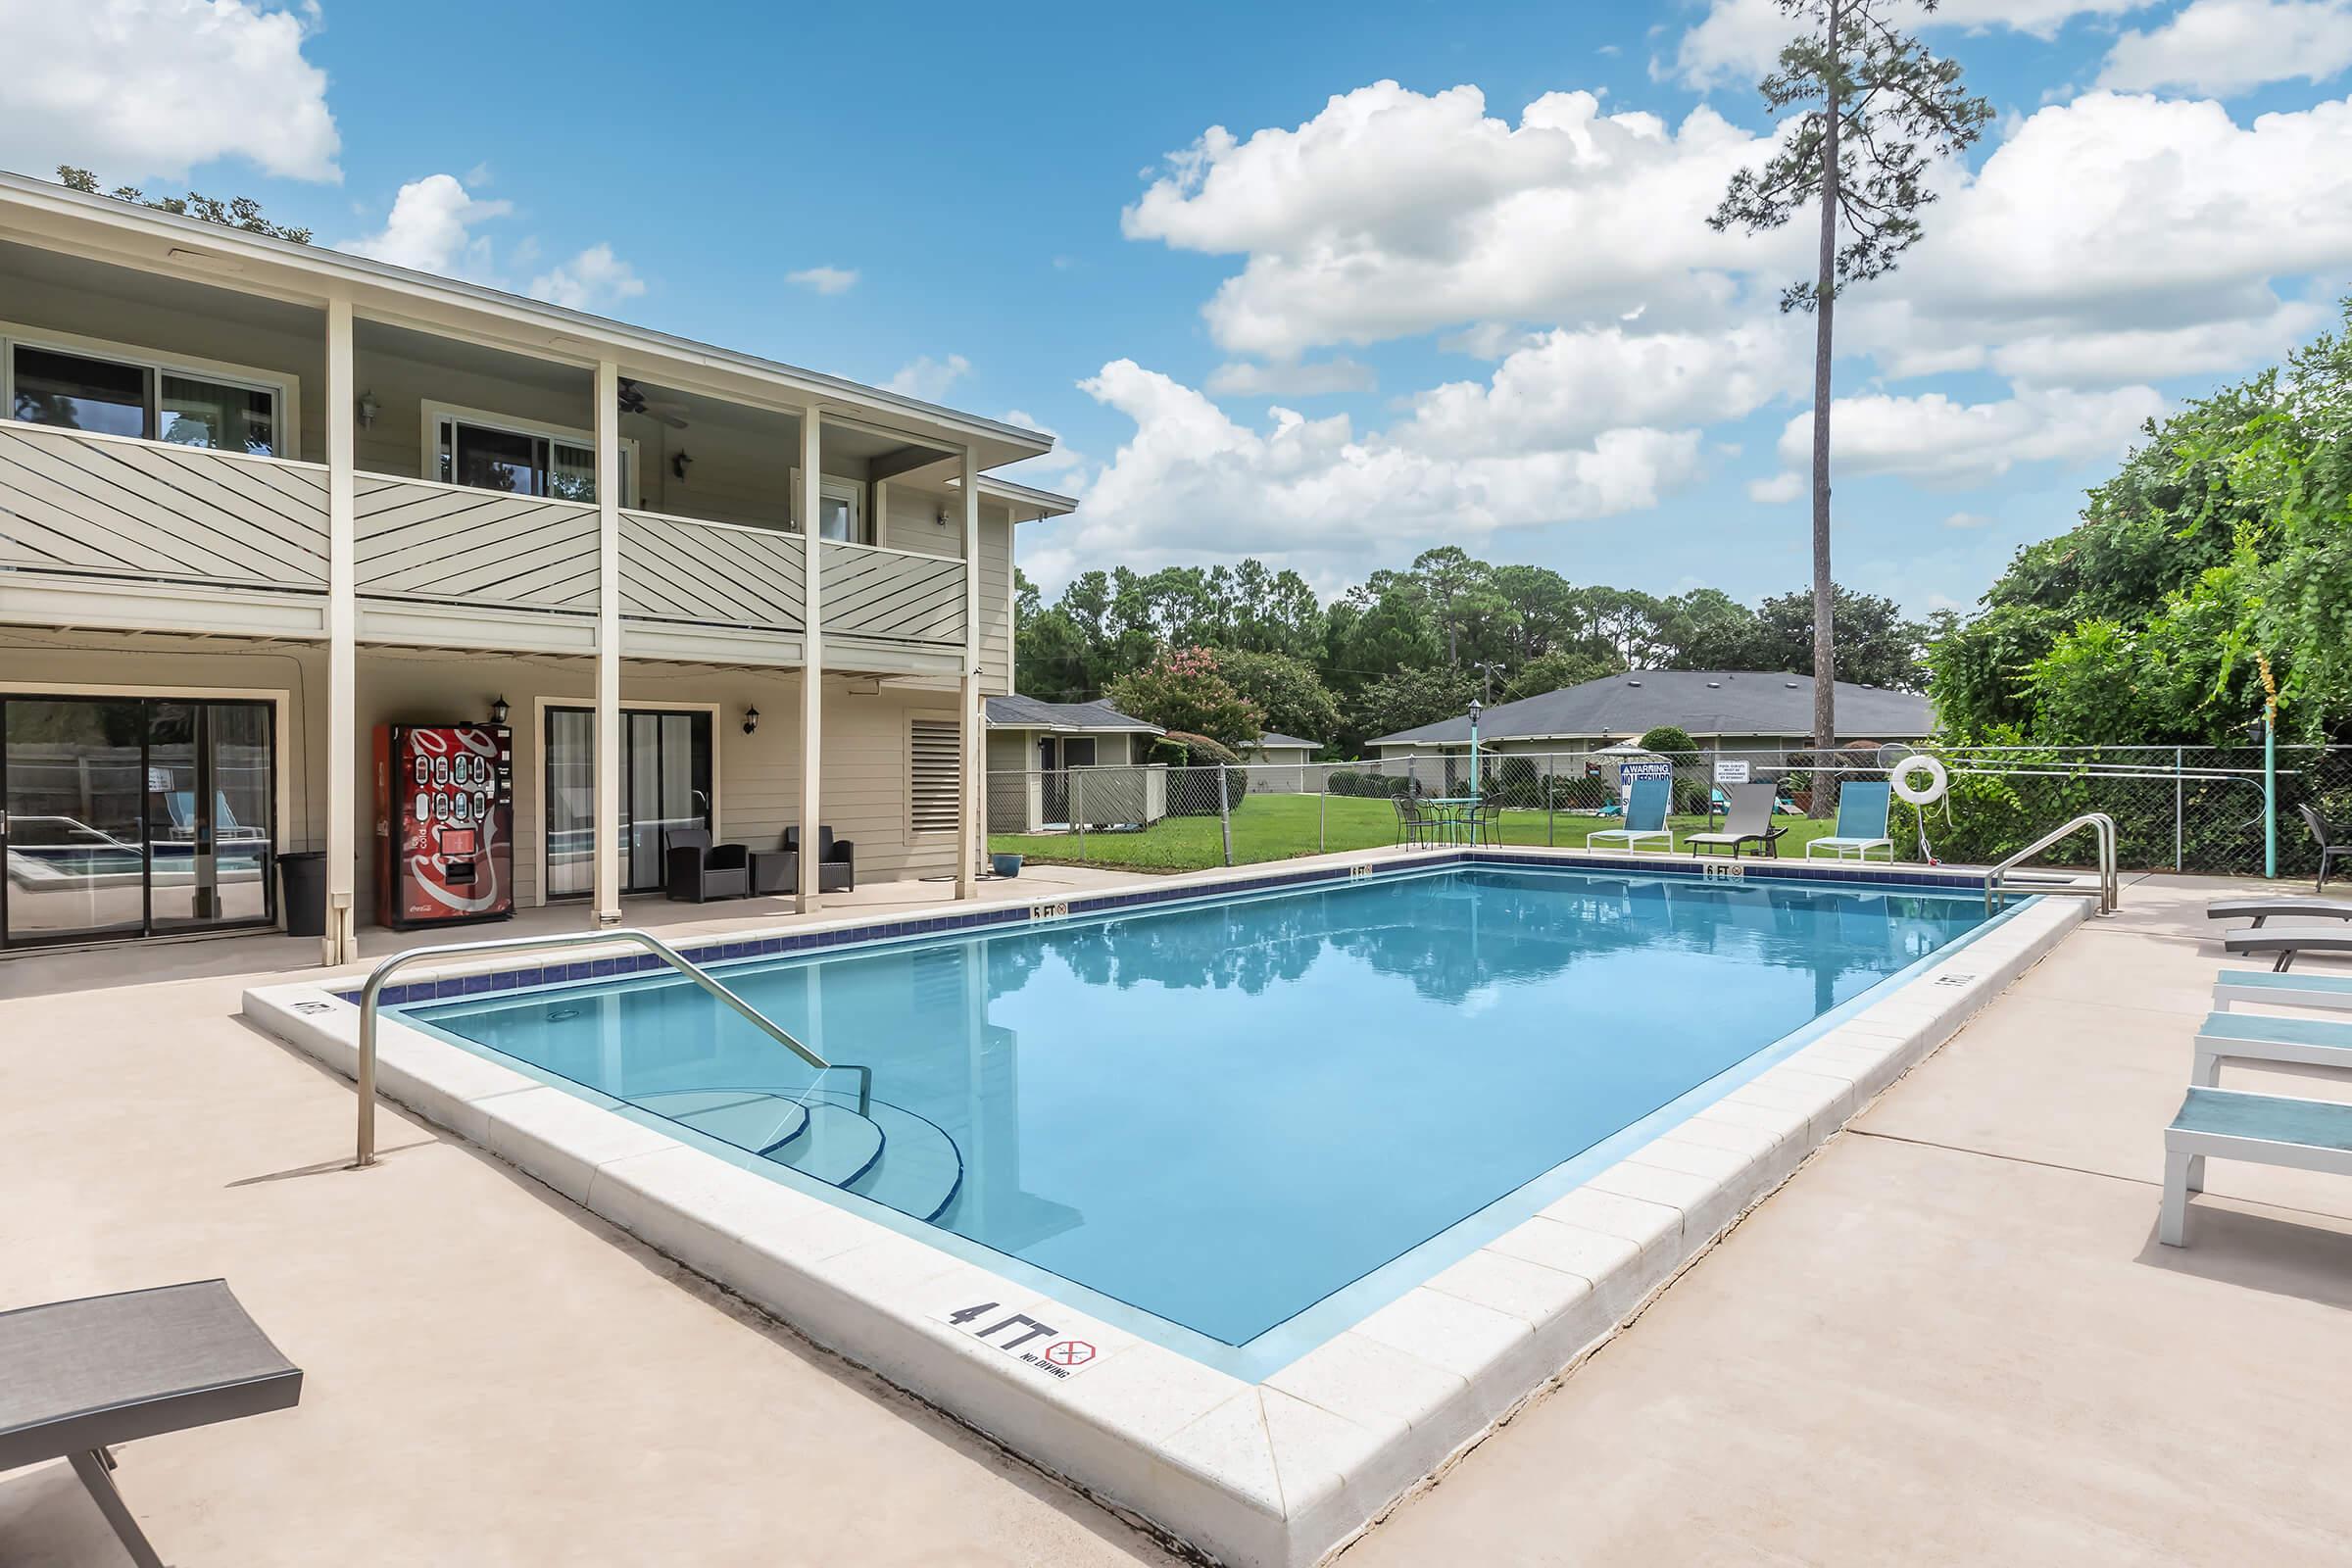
[1276, 827]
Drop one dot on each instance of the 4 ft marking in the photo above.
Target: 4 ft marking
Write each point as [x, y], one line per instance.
[1037, 1345]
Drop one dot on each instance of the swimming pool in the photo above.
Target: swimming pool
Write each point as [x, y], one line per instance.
[1224, 1115]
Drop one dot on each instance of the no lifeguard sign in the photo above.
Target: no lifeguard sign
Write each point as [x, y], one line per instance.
[1024, 1338]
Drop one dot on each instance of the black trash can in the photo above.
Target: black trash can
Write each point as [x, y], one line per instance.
[302, 874]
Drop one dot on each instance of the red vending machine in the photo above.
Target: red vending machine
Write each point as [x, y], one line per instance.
[444, 825]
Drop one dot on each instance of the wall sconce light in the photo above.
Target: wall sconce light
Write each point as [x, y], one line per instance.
[942, 518]
[498, 710]
[367, 409]
[680, 461]
[751, 719]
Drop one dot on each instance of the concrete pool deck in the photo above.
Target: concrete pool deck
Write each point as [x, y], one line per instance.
[1950, 1335]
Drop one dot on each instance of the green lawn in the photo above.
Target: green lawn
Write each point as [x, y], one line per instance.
[1276, 827]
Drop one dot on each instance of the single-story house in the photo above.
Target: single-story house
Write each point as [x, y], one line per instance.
[1034, 748]
[1723, 709]
[1283, 764]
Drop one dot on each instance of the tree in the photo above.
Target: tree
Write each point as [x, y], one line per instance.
[1184, 690]
[1881, 108]
[1407, 699]
[1875, 645]
[1708, 629]
[1290, 697]
[238, 212]
[1557, 671]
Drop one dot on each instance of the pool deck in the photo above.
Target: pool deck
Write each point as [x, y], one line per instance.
[1950, 1337]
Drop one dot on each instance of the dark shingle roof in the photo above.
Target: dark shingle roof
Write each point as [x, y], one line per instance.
[1028, 713]
[1270, 737]
[1704, 701]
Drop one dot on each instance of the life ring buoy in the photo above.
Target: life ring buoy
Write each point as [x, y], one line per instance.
[1926, 793]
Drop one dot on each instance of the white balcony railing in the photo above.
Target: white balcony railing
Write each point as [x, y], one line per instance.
[892, 595]
[455, 545]
[105, 506]
[689, 572]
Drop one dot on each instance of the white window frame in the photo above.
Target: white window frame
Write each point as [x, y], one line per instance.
[286, 388]
[429, 442]
[833, 489]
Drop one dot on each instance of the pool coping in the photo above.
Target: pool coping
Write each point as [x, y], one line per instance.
[1273, 1474]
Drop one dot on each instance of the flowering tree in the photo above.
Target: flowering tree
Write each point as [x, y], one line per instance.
[1184, 690]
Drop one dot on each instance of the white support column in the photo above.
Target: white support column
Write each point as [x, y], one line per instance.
[608, 848]
[813, 654]
[340, 944]
[973, 838]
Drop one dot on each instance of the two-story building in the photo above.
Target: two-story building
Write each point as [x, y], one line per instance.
[259, 497]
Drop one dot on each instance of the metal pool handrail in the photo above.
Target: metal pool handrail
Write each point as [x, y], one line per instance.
[2103, 827]
[370, 992]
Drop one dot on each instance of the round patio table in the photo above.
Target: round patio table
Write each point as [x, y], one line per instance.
[1455, 814]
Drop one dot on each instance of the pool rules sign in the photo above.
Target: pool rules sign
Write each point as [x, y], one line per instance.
[1027, 1339]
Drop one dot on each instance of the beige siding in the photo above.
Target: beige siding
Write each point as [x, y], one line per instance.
[866, 736]
[913, 523]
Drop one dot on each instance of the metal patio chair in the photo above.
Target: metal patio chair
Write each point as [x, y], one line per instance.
[2330, 851]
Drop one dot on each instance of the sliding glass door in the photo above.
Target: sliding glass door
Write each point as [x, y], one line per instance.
[125, 816]
[665, 783]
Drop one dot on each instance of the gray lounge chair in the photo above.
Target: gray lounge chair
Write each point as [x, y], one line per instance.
[1746, 820]
[2285, 943]
[2262, 1128]
[2261, 908]
[77, 1377]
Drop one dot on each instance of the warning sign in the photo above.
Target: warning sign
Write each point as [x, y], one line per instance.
[1024, 1338]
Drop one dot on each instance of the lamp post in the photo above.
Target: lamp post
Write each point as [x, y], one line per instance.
[1474, 707]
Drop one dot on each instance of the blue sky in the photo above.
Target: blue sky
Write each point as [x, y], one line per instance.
[1462, 246]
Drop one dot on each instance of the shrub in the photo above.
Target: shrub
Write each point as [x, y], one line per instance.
[1668, 740]
[1188, 792]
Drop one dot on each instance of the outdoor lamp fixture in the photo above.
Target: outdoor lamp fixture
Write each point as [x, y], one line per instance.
[751, 719]
[498, 710]
[367, 409]
[680, 461]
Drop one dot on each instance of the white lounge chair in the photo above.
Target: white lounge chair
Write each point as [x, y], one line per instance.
[2260, 1129]
[2276, 989]
[1644, 816]
[1861, 822]
[1748, 819]
[77, 1377]
[2257, 1037]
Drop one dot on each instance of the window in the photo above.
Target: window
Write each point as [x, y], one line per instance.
[935, 757]
[518, 461]
[840, 508]
[148, 399]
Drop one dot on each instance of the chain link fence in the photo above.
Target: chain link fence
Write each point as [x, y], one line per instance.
[2185, 808]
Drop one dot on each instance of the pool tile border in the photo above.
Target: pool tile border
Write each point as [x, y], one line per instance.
[1275, 1474]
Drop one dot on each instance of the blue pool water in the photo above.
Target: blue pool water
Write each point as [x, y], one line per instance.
[1223, 1113]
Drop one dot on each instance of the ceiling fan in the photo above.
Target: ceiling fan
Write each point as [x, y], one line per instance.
[633, 401]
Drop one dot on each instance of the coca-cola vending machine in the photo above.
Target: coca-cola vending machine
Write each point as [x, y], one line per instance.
[444, 824]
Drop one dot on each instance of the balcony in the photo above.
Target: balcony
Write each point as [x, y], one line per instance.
[113, 531]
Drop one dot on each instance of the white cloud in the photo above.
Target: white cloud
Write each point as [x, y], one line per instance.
[825, 279]
[1938, 441]
[1570, 384]
[1779, 490]
[1314, 495]
[138, 90]
[1739, 41]
[431, 229]
[2229, 46]
[928, 379]
[2120, 239]
[1241, 379]
[1394, 213]
[594, 280]
[1967, 519]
